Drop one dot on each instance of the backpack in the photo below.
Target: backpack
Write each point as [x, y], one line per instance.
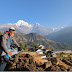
[0, 44]
[1, 49]
[0, 40]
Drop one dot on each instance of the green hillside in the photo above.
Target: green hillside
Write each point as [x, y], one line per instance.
[36, 39]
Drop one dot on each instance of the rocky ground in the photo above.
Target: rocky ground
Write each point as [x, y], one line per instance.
[31, 61]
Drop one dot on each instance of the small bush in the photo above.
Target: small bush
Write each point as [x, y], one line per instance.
[51, 58]
[67, 58]
[21, 45]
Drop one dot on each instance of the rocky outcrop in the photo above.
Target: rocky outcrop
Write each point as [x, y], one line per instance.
[25, 62]
[53, 68]
[67, 62]
[31, 61]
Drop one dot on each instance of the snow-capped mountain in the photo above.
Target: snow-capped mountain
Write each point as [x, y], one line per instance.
[20, 26]
[24, 27]
[41, 29]
[23, 23]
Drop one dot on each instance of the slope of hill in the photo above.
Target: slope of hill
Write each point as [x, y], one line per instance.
[36, 39]
[63, 36]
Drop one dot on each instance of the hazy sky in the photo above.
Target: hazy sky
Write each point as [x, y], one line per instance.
[49, 13]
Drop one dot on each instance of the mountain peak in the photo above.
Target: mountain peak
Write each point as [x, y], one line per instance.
[20, 21]
[23, 23]
[37, 24]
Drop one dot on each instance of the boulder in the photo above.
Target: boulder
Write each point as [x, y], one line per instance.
[55, 61]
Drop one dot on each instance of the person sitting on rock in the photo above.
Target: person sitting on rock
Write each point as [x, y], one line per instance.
[7, 40]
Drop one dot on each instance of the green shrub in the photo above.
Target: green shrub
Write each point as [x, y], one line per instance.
[21, 45]
[51, 58]
[67, 58]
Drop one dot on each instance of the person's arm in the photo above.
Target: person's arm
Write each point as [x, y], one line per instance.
[14, 42]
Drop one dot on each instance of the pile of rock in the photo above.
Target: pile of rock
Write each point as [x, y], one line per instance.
[33, 62]
[23, 62]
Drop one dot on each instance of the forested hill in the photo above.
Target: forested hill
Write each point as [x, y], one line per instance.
[34, 38]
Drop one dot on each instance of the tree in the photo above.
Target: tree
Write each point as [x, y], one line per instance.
[21, 45]
[33, 45]
[25, 46]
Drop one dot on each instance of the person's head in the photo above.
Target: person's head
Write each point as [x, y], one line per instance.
[11, 30]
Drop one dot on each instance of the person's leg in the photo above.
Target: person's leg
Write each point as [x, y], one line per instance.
[0, 59]
[3, 65]
[3, 61]
[0, 55]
